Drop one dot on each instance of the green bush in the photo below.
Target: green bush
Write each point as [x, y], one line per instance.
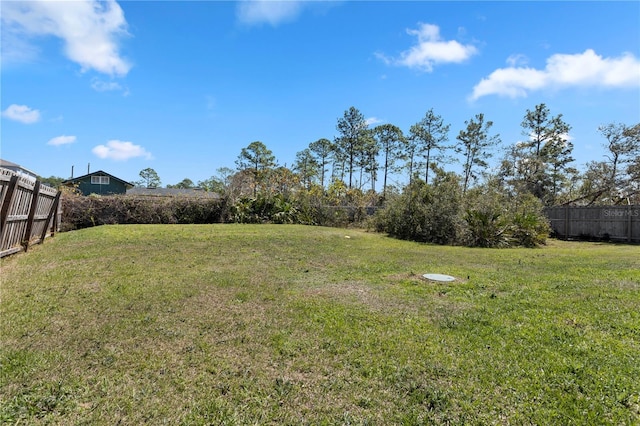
[305, 207]
[486, 219]
[485, 228]
[529, 225]
[494, 219]
[425, 213]
[265, 209]
[337, 206]
[82, 212]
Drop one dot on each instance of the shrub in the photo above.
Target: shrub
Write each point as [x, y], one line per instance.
[485, 228]
[425, 213]
[487, 217]
[486, 220]
[337, 206]
[82, 212]
[494, 219]
[529, 225]
[262, 208]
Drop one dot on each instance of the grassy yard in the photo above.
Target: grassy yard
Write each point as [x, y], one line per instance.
[239, 324]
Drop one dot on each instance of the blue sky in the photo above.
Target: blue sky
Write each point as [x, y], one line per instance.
[182, 87]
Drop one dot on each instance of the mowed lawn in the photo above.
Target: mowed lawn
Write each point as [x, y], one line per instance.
[244, 324]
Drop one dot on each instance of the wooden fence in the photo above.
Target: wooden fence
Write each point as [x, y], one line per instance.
[30, 212]
[614, 223]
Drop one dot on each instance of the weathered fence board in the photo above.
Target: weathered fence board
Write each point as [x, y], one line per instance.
[615, 223]
[29, 213]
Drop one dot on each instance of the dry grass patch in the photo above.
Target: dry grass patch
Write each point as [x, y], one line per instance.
[350, 292]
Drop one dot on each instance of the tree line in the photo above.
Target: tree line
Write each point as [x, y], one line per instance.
[362, 157]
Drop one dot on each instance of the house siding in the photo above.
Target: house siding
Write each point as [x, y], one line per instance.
[84, 185]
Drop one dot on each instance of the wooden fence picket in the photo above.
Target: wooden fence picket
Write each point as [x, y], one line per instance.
[29, 212]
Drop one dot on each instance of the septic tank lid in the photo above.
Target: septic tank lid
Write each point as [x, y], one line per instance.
[439, 277]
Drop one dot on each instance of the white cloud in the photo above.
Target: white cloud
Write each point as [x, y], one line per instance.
[120, 151]
[21, 113]
[582, 69]
[90, 30]
[104, 86]
[510, 82]
[269, 11]
[431, 50]
[565, 137]
[373, 120]
[108, 86]
[518, 59]
[61, 140]
[14, 48]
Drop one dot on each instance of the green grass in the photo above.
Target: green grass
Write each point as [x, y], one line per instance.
[233, 324]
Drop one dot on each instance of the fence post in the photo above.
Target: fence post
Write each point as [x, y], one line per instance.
[566, 222]
[630, 223]
[32, 214]
[6, 205]
[53, 214]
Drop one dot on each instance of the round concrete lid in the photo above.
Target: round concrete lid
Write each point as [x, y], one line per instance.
[439, 277]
